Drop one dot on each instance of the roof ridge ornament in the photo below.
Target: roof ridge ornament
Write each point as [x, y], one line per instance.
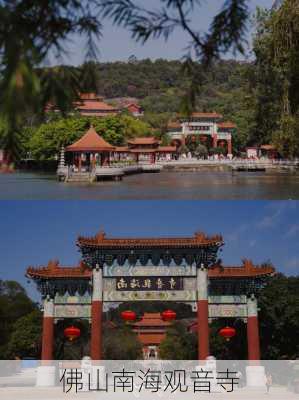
[101, 235]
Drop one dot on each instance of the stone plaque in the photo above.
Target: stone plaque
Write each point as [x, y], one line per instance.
[72, 311]
[149, 283]
[227, 310]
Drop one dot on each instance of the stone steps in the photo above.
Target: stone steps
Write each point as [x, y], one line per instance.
[83, 177]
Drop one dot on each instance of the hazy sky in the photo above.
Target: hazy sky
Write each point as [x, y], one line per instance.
[32, 233]
[116, 43]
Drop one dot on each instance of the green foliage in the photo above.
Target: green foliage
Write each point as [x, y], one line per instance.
[121, 344]
[201, 151]
[276, 47]
[14, 304]
[279, 318]
[286, 137]
[178, 344]
[46, 141]
[218, 150]
[30, 30]
[26, 336]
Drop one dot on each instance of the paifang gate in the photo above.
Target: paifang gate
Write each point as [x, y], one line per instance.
[181, 269]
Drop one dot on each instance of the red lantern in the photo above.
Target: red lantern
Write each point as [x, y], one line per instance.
[72, 333]
[128, 315]
[168, 315]
[227, 333]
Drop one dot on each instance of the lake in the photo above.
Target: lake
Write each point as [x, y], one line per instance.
[207, 184]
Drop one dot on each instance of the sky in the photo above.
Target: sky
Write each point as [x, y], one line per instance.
[33, 232]
[116, 43]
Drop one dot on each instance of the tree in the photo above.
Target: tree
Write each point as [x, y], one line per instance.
[29, 31]
[25, 340]
[121, 344]
[201, 151]
[178, 344]
[14, 304]
[279, 318]
[277, 52]
[46, 141]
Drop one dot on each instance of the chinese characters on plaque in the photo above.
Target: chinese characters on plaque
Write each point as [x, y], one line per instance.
[149, 283]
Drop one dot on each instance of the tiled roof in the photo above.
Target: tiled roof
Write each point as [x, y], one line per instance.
[90, 141]
[170, 149]
[54, 270]
[226, 125]
[268, 147]
[143, 140]
[151, 338]
[198, 240]
[94, 105]
[206, 115]
[151, 319]
[248, 269]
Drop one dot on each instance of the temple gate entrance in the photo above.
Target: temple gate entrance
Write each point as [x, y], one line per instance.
[150, 269]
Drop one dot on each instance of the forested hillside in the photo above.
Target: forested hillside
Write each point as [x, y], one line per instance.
[161, 85]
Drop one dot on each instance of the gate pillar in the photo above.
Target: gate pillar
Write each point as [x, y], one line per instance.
[96, 314]
[253, 339]
[202, 312]
[48, 330]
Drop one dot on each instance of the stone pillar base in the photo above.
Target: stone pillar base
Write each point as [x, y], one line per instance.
[255, 377]
[45, 376]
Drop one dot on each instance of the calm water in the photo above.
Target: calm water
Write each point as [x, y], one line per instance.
[164, 185]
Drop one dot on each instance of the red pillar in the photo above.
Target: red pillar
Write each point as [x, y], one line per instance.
[96, 315]
[96, 330]
[229, 146]
[203, 329]
[48, 331]
[202, 313]
[214, 140]
[253, 338]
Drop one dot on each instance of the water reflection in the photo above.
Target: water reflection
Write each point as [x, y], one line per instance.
[165, 185]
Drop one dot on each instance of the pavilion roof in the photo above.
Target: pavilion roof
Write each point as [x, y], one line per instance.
[166, 149]
[198, 240]
[91, 141]
[174, 125]
[144, 140]
[151, 319]
[267, 147]
[226, 125]
[204, 115]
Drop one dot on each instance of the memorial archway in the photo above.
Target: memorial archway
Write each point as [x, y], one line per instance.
[184, 269]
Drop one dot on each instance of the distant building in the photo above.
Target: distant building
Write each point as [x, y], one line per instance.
[210, 128]
[135, 110]
[150, 331]
[90, 104]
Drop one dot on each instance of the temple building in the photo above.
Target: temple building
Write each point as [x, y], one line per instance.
[150, 331]
[179, 269]
[145, 149]
[210, 128]
[91, 105]
[90, 150]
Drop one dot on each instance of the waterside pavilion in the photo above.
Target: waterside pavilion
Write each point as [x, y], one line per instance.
[90, 150]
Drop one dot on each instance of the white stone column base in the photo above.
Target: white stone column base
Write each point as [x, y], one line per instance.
[255, 377]
[45, 376]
